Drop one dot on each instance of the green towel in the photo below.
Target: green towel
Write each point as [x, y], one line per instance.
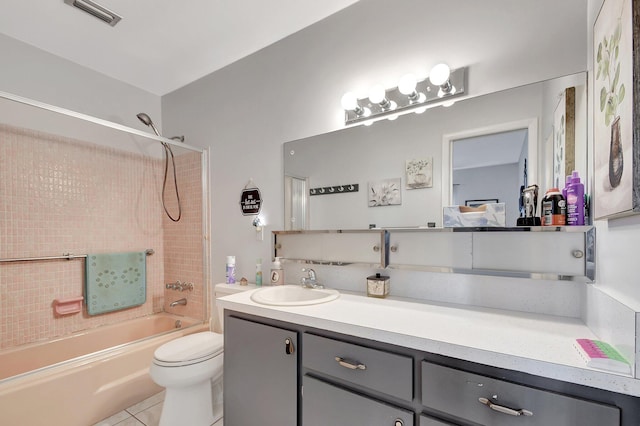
[115, 281]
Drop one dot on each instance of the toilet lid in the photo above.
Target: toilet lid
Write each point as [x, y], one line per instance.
[192, 348]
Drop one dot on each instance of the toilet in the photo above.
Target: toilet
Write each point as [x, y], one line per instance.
[190, 368]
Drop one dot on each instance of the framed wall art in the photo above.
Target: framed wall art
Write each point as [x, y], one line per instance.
[385, 193]
[419, 173]
[616, 132]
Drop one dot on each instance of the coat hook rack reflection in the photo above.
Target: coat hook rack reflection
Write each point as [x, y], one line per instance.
[338, 189]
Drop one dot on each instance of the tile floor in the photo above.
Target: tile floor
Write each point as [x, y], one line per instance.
[144, 413]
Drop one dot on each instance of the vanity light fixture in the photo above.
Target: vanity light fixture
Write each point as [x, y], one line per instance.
[350, 103]
[378, 95]
[411, 95]
[407, 86]
[439, 76]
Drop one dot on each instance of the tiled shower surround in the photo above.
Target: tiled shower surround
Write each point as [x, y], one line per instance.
[59, 195]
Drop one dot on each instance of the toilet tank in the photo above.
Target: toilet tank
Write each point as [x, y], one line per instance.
[221, 290]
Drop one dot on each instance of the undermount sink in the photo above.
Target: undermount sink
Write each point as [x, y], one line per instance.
[293, 295]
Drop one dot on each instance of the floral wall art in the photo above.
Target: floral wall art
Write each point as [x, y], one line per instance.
[616, 142]
[385, 193]
[419, 173]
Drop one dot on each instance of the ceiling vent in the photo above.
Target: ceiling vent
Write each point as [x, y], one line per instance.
[96, 10]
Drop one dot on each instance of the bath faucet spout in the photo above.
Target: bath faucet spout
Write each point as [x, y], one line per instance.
[182, 301]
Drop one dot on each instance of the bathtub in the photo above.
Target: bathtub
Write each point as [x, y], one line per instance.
[85, 377]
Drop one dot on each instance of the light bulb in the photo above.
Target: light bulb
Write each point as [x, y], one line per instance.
[420, 110]
[439, 74]
[349, 101]
[407, 84]
[377, 94]
[448, 103]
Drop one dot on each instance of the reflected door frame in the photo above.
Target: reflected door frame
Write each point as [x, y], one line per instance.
[530, 124]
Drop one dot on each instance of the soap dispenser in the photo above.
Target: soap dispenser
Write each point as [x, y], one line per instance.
[277, 273]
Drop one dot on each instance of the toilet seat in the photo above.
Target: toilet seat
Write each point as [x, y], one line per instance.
[188, 350]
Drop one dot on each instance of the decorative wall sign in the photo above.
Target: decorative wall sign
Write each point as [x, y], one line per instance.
[250, 200]
[419, 173]
[339, 189]
[385, 193]
[616, 127]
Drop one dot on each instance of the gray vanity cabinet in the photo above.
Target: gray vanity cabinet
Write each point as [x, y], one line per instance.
[337, 379]
[261, 374]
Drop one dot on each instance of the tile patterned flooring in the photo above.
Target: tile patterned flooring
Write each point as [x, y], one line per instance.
[144, 413]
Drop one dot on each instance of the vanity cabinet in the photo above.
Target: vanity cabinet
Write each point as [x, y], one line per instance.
[261, 374]
[420, 249]
[543, 252]
[348, 380]
[565, 254]
[362, 247]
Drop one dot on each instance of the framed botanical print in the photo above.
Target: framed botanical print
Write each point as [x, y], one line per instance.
[616, 132]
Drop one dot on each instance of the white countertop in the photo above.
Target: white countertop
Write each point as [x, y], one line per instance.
[537, 344]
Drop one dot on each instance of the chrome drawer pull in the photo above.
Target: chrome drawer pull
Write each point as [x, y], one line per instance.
[505, 410]
[350, 364]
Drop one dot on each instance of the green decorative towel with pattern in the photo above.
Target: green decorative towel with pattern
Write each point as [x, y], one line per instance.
[115, 281]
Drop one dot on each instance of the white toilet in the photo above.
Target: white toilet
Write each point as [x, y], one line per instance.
[190, 368]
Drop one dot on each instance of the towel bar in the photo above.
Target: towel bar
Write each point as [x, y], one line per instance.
[67, 256]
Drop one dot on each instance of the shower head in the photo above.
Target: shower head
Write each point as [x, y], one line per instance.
[147, 121]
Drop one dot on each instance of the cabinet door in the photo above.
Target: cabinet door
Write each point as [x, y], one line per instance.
[324, 405]
[557, 253]
[430, 250]
[260, 374]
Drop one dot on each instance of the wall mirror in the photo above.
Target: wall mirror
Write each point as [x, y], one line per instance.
[362, 176]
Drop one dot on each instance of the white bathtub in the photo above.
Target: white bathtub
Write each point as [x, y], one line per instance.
[83, 378]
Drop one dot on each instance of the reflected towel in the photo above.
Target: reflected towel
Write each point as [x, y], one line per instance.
[115, 281]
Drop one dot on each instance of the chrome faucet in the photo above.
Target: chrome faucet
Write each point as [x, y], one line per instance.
[182, 301]
[310, 280]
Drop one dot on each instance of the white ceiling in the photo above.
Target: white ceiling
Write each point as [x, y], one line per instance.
[160, 45]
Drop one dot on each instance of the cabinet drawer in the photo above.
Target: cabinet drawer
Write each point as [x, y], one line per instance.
[324, 404]
[381, 371]
[457, 393]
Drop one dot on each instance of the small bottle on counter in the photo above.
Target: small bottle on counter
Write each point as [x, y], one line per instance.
[277, 273]
[231, 270]
[554, 208]
[259, 272]
[575, 201]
